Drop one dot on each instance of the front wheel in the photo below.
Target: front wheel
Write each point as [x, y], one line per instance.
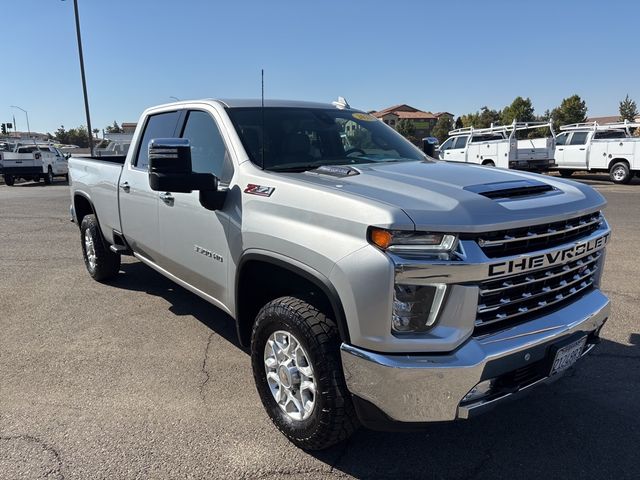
[101, 262]
[9, 180]
[48, 177]
[566, 173]
[295, 355]
[620, 173]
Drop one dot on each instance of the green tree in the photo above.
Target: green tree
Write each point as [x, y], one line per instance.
[628, 109]
[95, 132]
[405, 128]
[442, 128]
[482, 119]
[520, 110]
[115, 128]
[572, 110]
[61, 135]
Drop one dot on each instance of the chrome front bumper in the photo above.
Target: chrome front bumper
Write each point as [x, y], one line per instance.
[428, 388]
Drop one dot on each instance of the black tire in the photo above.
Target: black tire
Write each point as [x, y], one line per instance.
[620, 173]
[66, 177]
[48, 177]
[107, 263]
[9, 180]
[333, 418]
[565, 173]
[488, 163]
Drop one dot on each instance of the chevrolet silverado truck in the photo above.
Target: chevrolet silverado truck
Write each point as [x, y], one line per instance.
[33, 161]
[372, 284]
[591, 147]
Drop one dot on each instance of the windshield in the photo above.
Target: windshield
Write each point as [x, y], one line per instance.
[305, 138]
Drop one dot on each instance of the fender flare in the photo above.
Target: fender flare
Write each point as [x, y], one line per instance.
[306, 272]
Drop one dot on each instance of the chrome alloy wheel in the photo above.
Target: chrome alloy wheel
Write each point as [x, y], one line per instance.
[290, 375]
[619, 173]
[90, 249]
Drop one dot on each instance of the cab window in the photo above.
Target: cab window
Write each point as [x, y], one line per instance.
[447, 145]
[579, 138]
[208, 151]
[561, 139]
[461, 142]
[161, 125]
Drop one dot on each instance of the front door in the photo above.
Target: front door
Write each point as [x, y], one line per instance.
[138, 203]
[575, 151]
[195, 247]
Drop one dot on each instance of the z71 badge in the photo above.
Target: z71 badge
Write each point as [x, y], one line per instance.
[260, 190]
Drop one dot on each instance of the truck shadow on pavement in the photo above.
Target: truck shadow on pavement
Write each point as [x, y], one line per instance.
[586, 425]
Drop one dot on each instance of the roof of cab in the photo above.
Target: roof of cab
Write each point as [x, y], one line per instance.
[256, 102]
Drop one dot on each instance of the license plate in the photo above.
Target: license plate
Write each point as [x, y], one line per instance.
[567, 356]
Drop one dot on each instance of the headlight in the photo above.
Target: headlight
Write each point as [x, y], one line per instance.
[398, 241]
[416, 307]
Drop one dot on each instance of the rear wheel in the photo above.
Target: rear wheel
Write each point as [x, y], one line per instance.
[48, 177]
[100, 261]
[488, 163]
[9, 180]
[566, 173]
[295, 355]
[620, 173]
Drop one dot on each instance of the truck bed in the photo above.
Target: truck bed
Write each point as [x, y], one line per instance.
[96, 178]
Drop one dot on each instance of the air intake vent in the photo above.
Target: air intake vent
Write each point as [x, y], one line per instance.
[512, 189]
[336, 171]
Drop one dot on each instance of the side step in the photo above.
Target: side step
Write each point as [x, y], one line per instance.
[121, 249]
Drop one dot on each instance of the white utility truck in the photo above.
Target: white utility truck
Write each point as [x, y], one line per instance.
[599, 148]
[33, 161]
[498, 146]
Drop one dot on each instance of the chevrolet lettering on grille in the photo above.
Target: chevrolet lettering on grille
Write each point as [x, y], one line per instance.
[521, 265]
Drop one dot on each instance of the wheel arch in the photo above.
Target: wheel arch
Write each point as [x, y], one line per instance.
[82, 206]
[286, 276]
[613, 161]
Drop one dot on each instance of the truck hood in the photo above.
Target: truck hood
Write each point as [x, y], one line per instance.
[456, 197]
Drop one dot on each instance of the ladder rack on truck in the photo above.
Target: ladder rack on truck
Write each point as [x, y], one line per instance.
[596, 127]
[498, 146]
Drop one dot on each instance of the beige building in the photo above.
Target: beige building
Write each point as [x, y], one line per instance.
[423, 122]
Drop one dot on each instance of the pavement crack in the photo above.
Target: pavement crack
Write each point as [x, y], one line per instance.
[54, 472]
[203, 368]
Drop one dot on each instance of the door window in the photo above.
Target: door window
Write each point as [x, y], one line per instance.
[461, 142]
[561, 139]
[579, 138]
[208, 151]
[447, 145]
[161, 125]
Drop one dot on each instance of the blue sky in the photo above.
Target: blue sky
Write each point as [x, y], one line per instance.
[451, 56]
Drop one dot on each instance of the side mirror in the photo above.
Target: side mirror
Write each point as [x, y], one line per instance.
[170, 168]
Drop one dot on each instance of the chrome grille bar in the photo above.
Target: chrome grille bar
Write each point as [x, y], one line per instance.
[550, 231]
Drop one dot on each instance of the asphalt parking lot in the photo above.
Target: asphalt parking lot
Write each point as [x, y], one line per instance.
[141, 379]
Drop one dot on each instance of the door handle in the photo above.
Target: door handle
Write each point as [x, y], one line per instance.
[561, 149]
[582, 149]
[167, 198]
[125, 187]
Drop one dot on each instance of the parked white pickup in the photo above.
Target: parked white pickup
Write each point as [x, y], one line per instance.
[33, 162]
[601, 148]
[498, 147]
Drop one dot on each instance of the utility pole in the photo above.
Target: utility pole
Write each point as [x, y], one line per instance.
[84, 80]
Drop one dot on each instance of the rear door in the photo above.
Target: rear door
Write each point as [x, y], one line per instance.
[561, 141]
[195, 247]
[575, 151]
[138, 203]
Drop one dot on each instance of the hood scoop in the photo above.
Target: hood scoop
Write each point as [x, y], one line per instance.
[336, 171]
[511, 189]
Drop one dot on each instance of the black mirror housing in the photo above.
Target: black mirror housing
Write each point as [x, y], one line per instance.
[170, 168]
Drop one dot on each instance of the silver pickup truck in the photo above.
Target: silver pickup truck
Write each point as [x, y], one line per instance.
[374, 285]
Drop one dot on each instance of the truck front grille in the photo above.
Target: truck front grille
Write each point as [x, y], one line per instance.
[504, 243]
[511, 300]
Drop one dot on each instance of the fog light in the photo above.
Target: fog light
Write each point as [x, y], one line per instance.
[416, 307]
[481, 390]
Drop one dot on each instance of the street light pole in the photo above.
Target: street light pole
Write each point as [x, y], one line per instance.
[27, 115]
[84, 80]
